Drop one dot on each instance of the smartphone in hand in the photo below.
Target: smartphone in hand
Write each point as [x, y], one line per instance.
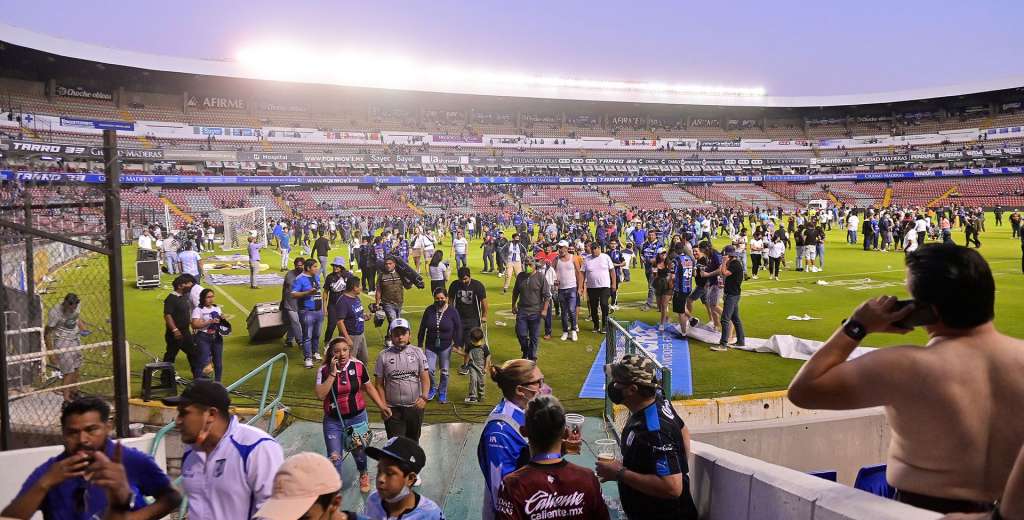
[921, 315]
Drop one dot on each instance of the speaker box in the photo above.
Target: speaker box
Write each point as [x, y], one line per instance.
[147, 274]
[146, 254]
[266, 322]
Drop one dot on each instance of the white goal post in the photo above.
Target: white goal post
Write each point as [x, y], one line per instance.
[239, 223]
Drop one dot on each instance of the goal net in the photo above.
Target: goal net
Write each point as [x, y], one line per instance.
[239, 223]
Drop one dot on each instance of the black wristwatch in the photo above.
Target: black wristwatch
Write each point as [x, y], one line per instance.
[854, 329]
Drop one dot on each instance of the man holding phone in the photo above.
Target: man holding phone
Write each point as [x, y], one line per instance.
[954, 406]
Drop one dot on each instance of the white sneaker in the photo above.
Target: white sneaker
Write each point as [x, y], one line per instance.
[565, 336]
[573, 335]
[754, 277]
[371, 293]
[317, 356]
[308, 363]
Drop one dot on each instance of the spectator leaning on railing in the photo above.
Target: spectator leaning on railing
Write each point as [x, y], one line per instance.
[954, 406]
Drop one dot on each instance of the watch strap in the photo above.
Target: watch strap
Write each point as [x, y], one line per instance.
[854, 329]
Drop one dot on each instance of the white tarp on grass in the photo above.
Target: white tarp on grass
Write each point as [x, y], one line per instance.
[784, 345]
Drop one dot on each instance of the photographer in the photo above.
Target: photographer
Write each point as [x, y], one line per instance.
[954, 405]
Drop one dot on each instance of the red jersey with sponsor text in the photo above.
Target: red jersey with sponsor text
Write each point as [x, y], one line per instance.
[551, 491]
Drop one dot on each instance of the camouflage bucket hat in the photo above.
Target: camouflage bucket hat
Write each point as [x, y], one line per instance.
[639, 370]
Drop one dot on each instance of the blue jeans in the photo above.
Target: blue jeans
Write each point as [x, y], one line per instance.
[460, 261]
[851, 236]
[570, 299]
[528, 332]
[334, 438]
[548, 319]
[444, 359]
[172, 262]
[391, 310]
[311, 323]
[211, 348]
[819, 251]
[731, 316]
[295, 327]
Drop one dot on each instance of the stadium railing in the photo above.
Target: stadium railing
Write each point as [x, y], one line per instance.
[265, 408]
[619, 343]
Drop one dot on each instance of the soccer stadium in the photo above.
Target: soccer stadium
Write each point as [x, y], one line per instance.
[268, 286]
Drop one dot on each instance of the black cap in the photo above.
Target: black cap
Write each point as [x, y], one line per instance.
[402, 449]
[71, 299]
[204, 392]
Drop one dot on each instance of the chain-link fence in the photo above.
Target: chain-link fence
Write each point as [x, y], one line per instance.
[619, 343]
[56, 320]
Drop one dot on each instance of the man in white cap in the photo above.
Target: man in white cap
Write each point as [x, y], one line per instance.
[401, 376]
[306, 486]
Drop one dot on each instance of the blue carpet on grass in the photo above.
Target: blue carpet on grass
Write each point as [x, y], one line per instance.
[668, 348]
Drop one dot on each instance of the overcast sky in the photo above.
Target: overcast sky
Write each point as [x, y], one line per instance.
[788, 47]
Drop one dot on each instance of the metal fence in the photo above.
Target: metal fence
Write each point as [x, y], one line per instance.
[62, 306]
[619, 343]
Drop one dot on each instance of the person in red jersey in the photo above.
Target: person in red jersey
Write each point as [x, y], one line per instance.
[549, 486]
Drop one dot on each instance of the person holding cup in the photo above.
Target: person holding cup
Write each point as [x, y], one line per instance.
[548, 473]
[502, 448]
[652, 475]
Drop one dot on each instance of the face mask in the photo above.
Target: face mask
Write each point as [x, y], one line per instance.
[400, 496]
[615, 394]
[440, 304]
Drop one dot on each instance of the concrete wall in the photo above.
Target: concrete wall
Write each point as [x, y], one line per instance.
[19, 464]
[731, 486]
[841, 441]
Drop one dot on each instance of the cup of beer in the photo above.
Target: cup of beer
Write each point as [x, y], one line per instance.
[606, 449]
[573, 433]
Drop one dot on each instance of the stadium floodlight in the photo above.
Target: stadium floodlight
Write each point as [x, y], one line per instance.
[286, 62]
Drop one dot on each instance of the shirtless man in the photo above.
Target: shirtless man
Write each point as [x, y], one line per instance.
[954, 406]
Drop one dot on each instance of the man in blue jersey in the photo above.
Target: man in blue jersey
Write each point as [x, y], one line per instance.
[648, 251]
[682, 285]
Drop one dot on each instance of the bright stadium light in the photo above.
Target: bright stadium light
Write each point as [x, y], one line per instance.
[287, 62]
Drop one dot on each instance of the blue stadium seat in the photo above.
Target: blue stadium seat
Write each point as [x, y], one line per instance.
[872, 480]
[827, 474]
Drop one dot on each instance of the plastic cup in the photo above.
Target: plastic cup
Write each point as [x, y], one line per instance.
[573, 433]
[606, 449]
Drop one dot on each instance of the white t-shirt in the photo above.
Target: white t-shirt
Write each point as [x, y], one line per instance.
[565, 272]
[777, 249]
[756, 245]
[461, 245]
[439, 271]
[193, 295]
[851, 223]
[210, 233]
[921, 225]
[910, 241]
[206, 314]
[146, 242]
[596, 271]
[189, 262]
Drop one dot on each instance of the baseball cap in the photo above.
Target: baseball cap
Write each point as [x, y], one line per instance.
[204, 392]
[563, 243]
[71, 298]
[402, 449]
[399, 323]
[639, 370]
[729, 250]
[300, 480]
[338, 261]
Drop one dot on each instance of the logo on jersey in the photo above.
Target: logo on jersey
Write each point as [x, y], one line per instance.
[666, 410]
[218, 467]
[553, 505]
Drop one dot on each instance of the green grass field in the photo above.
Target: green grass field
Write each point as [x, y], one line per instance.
[854, 275]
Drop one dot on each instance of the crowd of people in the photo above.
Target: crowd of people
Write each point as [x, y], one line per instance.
[552, 263]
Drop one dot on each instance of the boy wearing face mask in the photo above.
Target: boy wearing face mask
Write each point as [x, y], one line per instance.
[399, 463]
[228, 468]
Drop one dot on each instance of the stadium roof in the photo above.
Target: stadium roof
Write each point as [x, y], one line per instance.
[582, 90]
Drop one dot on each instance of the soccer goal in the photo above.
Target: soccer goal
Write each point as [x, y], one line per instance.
[239, 223]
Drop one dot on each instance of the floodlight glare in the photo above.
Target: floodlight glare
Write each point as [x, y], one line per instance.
[283, 61]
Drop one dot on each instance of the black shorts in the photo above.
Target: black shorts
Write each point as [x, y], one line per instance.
[679, 302]
[697, 293]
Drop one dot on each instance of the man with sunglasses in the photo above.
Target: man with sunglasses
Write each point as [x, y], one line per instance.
[89, 477]
[652, 475]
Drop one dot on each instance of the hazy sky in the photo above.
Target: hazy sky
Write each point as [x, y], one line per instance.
[788, 47]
